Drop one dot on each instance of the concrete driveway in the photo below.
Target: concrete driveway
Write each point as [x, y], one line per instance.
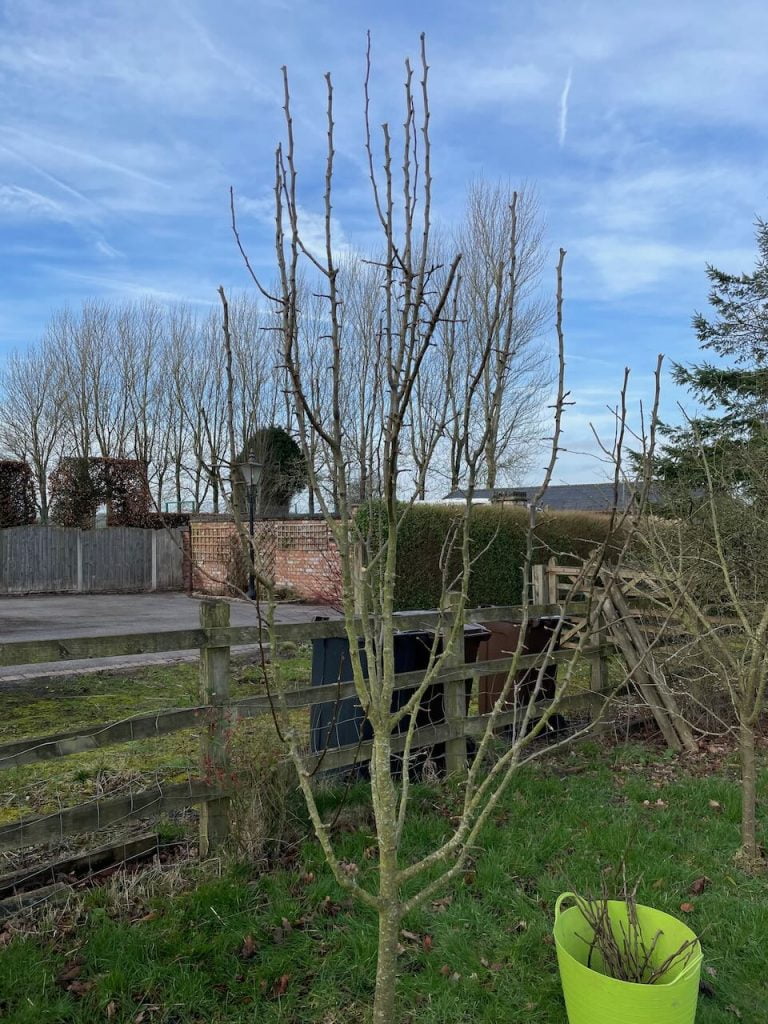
[58, 616]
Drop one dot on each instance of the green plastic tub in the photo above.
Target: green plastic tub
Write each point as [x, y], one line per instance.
[592, 997]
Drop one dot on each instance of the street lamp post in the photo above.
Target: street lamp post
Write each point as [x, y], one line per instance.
[250, 470]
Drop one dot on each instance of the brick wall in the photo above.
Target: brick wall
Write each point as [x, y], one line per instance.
[210, 554]
[302, 552]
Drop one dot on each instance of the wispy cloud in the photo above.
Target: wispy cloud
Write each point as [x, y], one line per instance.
[311, 225]
[16, 201]
[563, 120]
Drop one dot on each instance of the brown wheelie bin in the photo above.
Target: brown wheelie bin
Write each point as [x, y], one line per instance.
[502, 643]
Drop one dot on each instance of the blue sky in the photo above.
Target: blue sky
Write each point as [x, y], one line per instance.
[643, 126]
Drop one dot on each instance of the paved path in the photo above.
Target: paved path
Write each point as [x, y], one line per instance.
[58, 616]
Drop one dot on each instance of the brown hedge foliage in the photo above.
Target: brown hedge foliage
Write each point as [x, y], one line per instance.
[17, 494]
[80, 485]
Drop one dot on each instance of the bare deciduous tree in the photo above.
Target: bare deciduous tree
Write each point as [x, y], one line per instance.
[31, 420]
[416, 300]
[499, 303]
[709, 576]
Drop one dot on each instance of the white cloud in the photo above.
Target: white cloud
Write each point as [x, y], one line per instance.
[16, 201]
[471, 83]
[563, 119]
[107, 250]
[160, 288]
[311, 225]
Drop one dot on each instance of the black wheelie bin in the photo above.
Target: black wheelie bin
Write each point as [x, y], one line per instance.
[338, 723]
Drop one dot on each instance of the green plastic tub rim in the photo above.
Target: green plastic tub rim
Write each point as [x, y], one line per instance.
[592, 997]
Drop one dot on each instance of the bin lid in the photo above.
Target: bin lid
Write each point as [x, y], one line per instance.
[471, 629]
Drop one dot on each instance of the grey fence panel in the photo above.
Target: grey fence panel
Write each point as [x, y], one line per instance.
[118, 558]
[169, 574]
[38, 558]
[53, 559]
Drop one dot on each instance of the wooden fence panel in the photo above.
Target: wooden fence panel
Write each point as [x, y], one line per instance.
[38, 559]
[118, 558]
[168, 567]
[61, 560]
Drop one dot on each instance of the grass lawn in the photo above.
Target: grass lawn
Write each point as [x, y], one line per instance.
[42, 788]
[286, 947]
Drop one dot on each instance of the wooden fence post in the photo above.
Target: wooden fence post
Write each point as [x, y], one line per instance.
[79, 539]
[598, 660]
[455, 694]
[153, 583]
[539, 589]
[214, 753]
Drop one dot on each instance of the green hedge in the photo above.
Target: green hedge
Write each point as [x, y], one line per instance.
[497, 574]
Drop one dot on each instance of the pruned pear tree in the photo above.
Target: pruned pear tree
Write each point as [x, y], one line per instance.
[404, 335]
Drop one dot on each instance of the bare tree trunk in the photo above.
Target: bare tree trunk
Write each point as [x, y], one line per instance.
[390, 912]
[386, 967]
[749, 849]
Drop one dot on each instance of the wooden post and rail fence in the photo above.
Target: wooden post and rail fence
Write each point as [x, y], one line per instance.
[217, 713]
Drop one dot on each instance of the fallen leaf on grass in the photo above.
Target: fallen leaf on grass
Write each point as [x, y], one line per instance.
[711, 971]
[329, 907]
[699, 885]
[69, 972]
[734, 1010]
[715, 805]
[146, 1013]
[151, 916]
[111, 1009]
[687, 908]
[427, 943]
[443, 903]
[248, 948]
[495, 967]
[80, 988]
[280, 987]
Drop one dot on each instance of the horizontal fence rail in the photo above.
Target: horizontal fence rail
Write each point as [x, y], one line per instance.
[162, 723]
[81, 648]
[98, 814]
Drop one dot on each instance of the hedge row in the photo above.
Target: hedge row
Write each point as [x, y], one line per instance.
[500, 534]
[17, 494]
